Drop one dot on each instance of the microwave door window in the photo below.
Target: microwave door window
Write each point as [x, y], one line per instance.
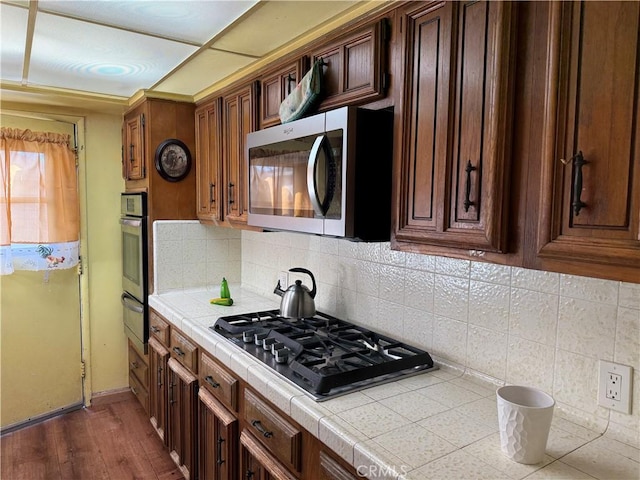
[278, 179]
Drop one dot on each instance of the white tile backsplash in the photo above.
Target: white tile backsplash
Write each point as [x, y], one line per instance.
[509, 324]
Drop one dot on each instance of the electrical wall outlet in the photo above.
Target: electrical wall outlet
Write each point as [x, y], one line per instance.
[283, 278]
[614, 388]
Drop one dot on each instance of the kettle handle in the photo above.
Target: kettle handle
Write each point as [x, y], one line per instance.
[313, 280]
[278, 290]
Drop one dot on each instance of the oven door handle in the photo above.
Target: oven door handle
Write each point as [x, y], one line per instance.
[131, 222]
[131, 303]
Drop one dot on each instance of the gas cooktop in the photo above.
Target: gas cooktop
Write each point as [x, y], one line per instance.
[323, 355]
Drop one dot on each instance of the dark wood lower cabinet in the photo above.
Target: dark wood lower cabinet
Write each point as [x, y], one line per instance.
[330, 469]
[216, 427]
[218, 439]
[182, 418]
[256, 463]
[158, 357]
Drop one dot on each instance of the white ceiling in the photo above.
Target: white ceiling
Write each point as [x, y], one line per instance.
[111, 49]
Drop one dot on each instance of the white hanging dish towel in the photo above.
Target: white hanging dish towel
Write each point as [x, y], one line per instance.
[304, 96]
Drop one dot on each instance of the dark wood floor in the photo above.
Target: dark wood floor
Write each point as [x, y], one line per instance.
[112, 440]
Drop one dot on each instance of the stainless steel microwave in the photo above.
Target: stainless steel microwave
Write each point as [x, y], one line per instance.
[327, 174]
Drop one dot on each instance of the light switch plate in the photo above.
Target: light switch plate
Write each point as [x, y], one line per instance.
[283, 278]
[614, 387]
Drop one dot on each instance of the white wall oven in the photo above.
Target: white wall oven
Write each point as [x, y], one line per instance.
[133, 226]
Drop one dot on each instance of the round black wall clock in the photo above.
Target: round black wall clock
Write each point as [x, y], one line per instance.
[173, 160]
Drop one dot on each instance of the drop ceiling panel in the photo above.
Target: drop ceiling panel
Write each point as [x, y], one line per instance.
[189, 21]
[276, 23]
[83, 56]
[13, 31]
[203, 70]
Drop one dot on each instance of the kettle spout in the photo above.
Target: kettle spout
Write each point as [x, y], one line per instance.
[278, 290]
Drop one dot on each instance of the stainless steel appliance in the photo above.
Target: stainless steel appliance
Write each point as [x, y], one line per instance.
[323, 355]
[327, 174]
[297, 300]
[133, 225]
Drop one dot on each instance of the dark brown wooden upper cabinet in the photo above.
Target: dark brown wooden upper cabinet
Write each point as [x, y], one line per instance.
[208, 164]
[275, 86]
[133, 161]
[239, 117]
[591, 176]
[452, 164]
[355, 68]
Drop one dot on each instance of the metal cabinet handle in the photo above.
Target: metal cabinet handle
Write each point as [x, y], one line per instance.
[154, 329]
[135, 392]
[231, 200]
[178, 352]
[249, 474]
[159, 376]
[133, 365]
[209, 379]
[220, 460]
[171, 399]
[290, 79]
[211, 193]
[131, 159]
[578, 162]
[258, 426]
[467, 191]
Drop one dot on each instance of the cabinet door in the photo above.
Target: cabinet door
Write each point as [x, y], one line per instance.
[591, 179]
[239, 119]
[256, 463]
[355, 67]
[218, 437]
[454, 125]
[208, 166]
[158, 357]
[134, 165]
[182, 419]
[274, 88]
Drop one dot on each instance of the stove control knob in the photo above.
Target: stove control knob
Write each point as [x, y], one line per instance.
[258, 338]
[277, 346]
[282, 355]
[247, 336]
[267, 342]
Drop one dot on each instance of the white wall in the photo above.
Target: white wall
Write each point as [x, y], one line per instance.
[510, 324]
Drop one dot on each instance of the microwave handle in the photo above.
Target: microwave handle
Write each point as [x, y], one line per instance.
[131, 303]
[312, 187]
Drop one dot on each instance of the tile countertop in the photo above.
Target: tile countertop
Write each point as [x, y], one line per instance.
[437, 425]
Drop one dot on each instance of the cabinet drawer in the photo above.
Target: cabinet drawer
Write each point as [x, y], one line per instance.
[219, 382]
[282, 438]
[330, 469]
[184, 351]
[138, 366]
[159, 328]
[141, 393]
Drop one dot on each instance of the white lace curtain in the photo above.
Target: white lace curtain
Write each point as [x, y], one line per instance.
[39, 209]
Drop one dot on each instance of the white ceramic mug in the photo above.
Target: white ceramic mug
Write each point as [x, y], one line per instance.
[524, 418]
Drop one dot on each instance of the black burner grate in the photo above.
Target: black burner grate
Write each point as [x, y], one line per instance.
[327, 356]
